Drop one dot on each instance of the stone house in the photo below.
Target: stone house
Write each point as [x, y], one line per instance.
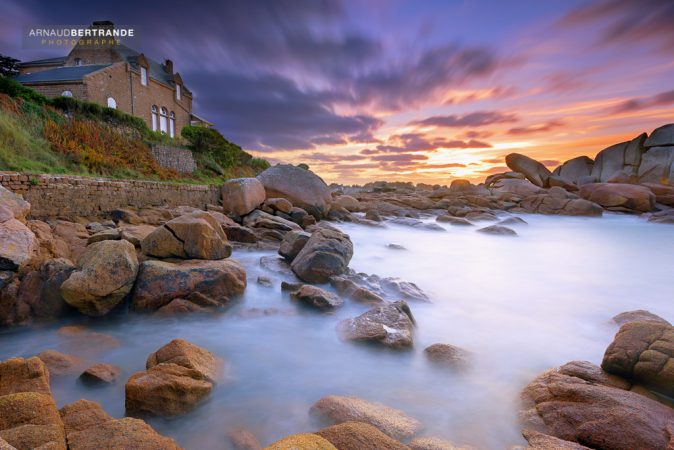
[117, 77]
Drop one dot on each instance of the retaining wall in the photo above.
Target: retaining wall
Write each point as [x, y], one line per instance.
[70, 196]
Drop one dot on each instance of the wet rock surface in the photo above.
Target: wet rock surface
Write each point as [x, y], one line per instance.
[390, 325]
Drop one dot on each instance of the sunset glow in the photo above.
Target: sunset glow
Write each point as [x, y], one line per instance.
[417, 91]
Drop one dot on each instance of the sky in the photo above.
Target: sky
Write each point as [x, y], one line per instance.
[419, 90]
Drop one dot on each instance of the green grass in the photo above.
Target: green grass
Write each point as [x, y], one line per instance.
[67, 136]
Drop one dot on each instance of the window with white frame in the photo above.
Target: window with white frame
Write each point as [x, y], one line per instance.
[112, 103]
[172, 124]
[66, 94]
[154, 117]
[78, 61]
[143, 76]
[178, 93]
[163, 120]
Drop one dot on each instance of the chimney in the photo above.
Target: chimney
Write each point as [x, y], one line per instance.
[104, 24]
[168, 66]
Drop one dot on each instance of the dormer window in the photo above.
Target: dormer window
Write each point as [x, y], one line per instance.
[178, 92]
[143, 76]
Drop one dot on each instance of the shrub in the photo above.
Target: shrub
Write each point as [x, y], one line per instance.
[15, 89]
[259, 164]
[209, 142]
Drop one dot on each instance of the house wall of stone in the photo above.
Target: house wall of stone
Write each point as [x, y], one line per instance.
[78, 89]
[68, 197]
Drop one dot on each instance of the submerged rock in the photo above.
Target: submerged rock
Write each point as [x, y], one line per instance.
[390, 325]
[447, 355]
[106, 275]
[337, 409]
[359, 436]
[60, 363]
[159, 282]
[100, 374]
[638, 315]
[498, 230]
[326, 253]
[242, 439]
[316, 297]
[460, 221]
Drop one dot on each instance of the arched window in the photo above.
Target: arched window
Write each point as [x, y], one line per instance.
[78, 61]
[178, 92]
[163, 120]
[172, 124]
[112, 103]
[66, 94]
[154, 117]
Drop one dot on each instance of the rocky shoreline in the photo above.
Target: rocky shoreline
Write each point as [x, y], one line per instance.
[172, 261]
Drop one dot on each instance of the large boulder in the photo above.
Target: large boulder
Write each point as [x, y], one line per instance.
[359, 436]
[516, 186]
[166, 389]
[643, 352]
[28, 415]
[595, 412]
[15, 203]
[17, 241]
[242, 195]
[619, 196]
[619, 159]
[390, 325]
[197, 235]
[657, 166]
[662, 136]
[326, 253]
[107, 272]
[534, 171]
[336, 409]
[349, 203]
[575, 170]
[186, 354]
[540, 441]
[159, 282]
[301, 187]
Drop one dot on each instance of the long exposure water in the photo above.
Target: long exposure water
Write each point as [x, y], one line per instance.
[520, 305]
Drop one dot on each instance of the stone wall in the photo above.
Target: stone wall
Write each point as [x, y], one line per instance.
[178, 159]
[69, 197]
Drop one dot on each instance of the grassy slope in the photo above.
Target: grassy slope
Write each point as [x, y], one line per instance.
[65, 136]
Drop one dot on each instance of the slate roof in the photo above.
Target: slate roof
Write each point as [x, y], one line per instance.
[69, 73]
[45, 62]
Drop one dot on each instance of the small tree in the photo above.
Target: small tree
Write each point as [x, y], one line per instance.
[8, 66]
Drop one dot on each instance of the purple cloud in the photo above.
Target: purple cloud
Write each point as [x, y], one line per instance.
[476, 119]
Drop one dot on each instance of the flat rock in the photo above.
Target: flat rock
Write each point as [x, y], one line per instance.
[459, 221]
[336, 409]
[629, 197]
[435, 443]
[316, 297]
[498, 230]
[100, 374]
[159, 282]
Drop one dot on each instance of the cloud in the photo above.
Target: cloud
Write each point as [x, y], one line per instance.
[401, 158]
[627, 22]
[637, 104]
[442, 166]
[271, 112]
[475, 119]
[540, 128]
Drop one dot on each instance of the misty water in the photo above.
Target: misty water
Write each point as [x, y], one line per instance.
[520, 305]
